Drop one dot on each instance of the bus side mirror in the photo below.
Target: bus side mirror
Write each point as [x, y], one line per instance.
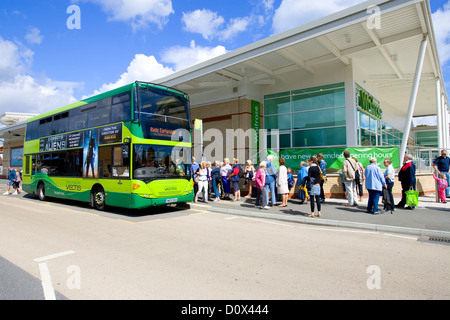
[125, 151]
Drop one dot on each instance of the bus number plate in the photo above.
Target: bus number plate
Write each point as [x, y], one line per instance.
[171, 200]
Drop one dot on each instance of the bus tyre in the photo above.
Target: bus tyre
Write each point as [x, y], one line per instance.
[41, 191]
[98, 198]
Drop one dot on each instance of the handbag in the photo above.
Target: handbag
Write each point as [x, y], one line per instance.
[322, 177]
[412, 198]
[357, 176]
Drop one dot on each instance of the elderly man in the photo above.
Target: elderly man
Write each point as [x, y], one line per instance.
[375, 183]
[271, 176]
[349, 168]
[407, 177]
[442, 164]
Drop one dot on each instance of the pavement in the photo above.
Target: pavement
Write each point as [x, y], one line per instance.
[429, 218]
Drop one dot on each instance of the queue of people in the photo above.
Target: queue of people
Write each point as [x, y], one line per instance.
[219, 177]
[268, 182]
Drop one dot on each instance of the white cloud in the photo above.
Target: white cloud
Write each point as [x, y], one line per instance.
[293, 13]
[267, 4]
[235, 26]
[34, 36]
[20, 92]
[184, 57]
[147, 68]
[140, 13]
[441, 22]
[204, 21]
[211, 25]
[142, 68]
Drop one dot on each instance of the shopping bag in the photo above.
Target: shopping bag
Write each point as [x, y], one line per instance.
[412, 198]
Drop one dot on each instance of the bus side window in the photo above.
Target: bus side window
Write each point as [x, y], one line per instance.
[78, 121]
[121, 166]
[74, 163]
[104, 162]
[33, 164]
[27, 168]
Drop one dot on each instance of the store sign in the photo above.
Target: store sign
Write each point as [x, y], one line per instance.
[368, 103]
[334, 156]
[256, 124]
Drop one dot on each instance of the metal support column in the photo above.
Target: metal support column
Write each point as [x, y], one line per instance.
[446, 124]
[440, 122]
[412, 100]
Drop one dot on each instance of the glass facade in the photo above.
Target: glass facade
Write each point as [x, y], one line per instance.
[428, 139]
[375, 132]
[311, 117]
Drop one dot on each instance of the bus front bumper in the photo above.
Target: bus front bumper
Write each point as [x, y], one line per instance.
[141, 202]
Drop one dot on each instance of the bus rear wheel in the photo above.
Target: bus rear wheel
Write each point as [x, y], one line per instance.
[98, 198]
[41, 191]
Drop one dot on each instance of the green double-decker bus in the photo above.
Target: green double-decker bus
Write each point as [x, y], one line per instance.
[129, 147]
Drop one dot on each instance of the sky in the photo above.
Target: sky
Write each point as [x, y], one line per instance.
[55, 52]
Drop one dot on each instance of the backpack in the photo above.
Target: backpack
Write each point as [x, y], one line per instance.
[241, 172]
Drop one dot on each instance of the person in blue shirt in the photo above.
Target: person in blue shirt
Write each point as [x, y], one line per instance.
[12, 177]
[271, 176]
[302, 173]
[375, 183]
[323, 168]
[442, 164]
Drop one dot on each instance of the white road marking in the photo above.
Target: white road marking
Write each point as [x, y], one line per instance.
[53, 256]
[46, 279]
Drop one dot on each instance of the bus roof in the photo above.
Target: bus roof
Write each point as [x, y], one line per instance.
[106, 94]
[97, 97]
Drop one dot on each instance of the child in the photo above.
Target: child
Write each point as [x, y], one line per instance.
[442, 185]
[290, 179]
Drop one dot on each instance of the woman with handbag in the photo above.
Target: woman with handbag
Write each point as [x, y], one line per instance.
[249, 174]
[407, 178]
[314, 178]
[282, 183]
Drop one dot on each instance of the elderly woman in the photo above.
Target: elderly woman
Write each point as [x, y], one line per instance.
[375, 183]
[224, 172]
[260, 182]
[282, 183]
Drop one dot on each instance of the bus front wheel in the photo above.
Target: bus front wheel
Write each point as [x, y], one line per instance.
[41, 191]
[98, 198]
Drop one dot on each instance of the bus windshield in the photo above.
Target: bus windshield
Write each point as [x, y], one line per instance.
[162, 108]
[160, 162]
